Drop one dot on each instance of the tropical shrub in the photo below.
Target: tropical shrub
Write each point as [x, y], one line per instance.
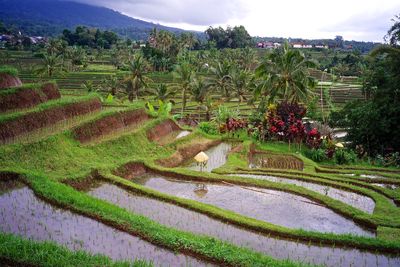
[390, 160]
[286, 109]
[313, 139]
[317, 155]
[232, 125]
[164, 109]
[343, 156]
[208, 128]
[223, 113]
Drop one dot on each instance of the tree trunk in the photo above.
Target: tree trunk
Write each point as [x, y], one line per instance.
[183, 100]
[136, 93]
[130, 96]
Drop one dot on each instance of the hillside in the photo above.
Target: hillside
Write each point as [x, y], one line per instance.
[49, 18]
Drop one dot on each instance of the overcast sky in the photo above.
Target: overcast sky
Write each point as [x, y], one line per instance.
[366, 20]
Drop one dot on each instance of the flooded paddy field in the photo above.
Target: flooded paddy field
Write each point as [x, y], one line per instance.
[358, 201]
[22, 213]
[217, 157]
[388, 186]
[173, 136]
[272, 206]
[187, 220]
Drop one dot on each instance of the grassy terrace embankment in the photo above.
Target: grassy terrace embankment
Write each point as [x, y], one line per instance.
[44, 163]
[27, 96]
[72, 163]
[48, 114]
[16, 251]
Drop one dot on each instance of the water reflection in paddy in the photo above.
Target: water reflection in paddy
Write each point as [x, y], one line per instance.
[268, 205]
[21, 213]
[187, 220]
[217, 157]
[356, 200]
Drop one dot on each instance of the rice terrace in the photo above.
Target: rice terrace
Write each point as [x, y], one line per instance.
[130, 143]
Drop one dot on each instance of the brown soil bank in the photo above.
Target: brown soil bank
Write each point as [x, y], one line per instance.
[7, 81]
[186, 152]
[162, 130]
[131, 170]
[32, 121]
[20, 98]
[108, 124]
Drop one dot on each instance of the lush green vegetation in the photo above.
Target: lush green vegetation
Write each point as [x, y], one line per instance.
[19, 251]
[258, 101]
[9, 70]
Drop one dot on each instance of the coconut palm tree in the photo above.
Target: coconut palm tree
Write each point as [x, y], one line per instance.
[221, 78]
[247, 58]
[242, 82]
[88, 86]
[136, 80]
[77, 55]
[161, 92]
[284, 74]
[199, 91]
[51, 64]
[184, 74]
[111, 85]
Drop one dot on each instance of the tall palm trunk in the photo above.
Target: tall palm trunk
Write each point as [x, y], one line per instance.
[183, 99]
[130, 96]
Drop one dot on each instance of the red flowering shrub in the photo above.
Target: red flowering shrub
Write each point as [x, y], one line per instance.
[285, 109]
[313, 139]
[233, 125]
[329, 147]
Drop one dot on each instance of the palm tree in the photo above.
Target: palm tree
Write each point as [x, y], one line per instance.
[247, 58]
[184, 74]
[199, 91]
[161, 92]
[221, 78]
[77, 55]
[50, 65]
[164, 41]
[284, 74]
[111, 85]
[56, 46]
[136, 80]
[393, 35]
[88, 86]
[242, 82]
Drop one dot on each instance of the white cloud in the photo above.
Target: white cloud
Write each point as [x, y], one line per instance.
[359, 20]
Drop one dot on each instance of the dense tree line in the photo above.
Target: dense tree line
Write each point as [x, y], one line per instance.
[236, 37]
[374, 125]
[93, 38]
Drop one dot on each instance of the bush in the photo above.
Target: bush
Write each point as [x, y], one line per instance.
[223, 113]
[317, 155]
[208, 128]
[343, 156]
[390, 160]
[9, 70]
[337, 119]
[285, 109]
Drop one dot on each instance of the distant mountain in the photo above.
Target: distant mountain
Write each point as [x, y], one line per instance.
[50, 17]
